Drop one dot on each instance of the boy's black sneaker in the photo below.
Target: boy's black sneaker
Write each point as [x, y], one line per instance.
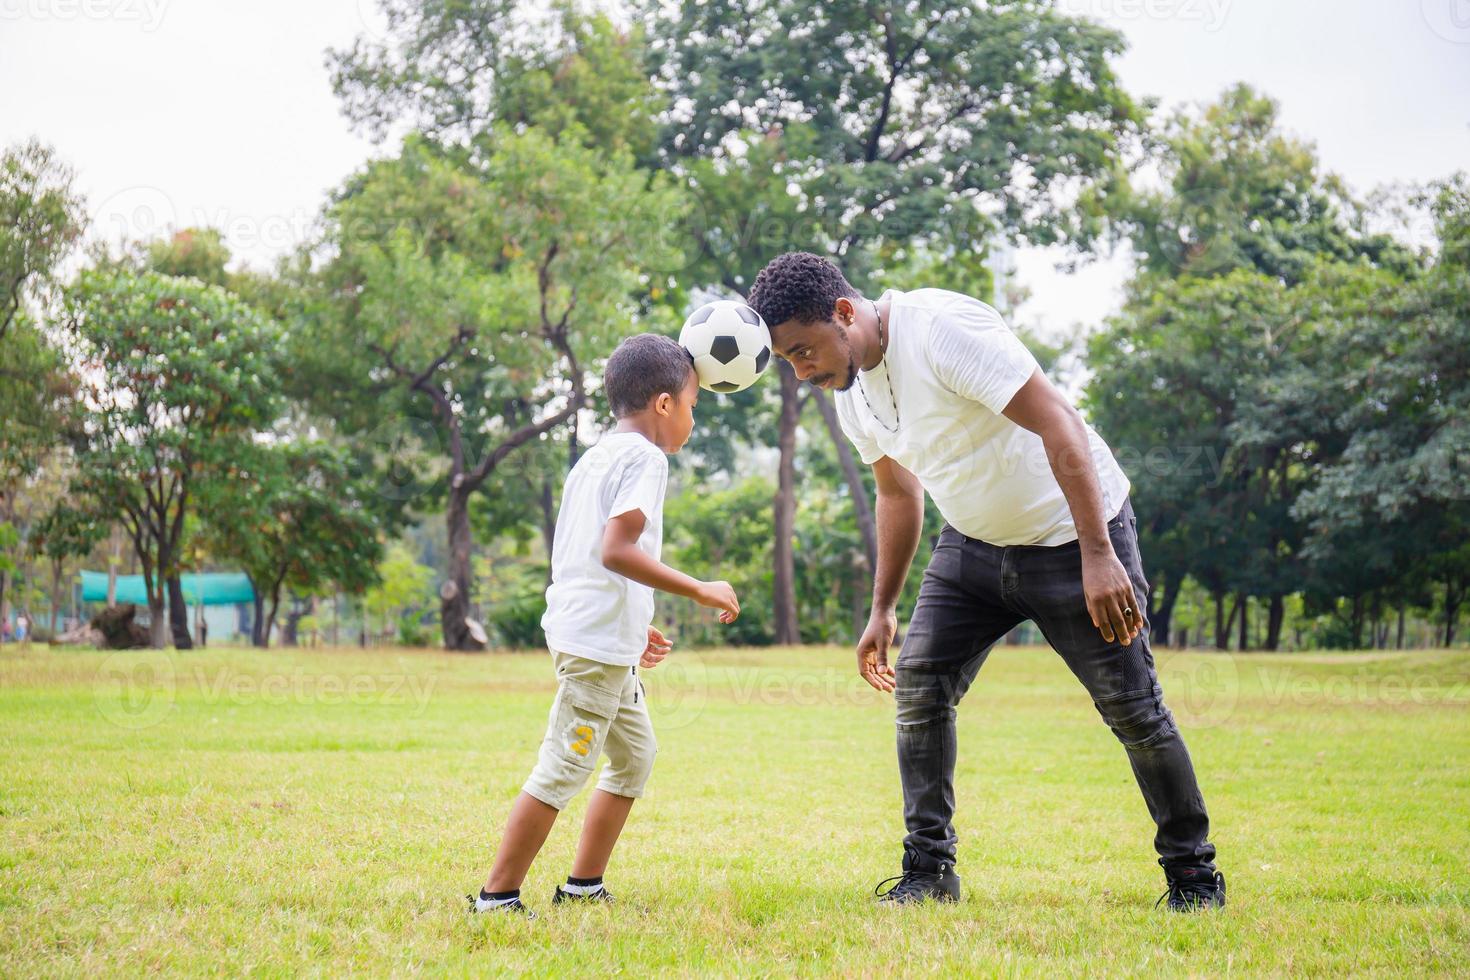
[478, 906]
[1194, 890]
[602, 895]
[940, 884]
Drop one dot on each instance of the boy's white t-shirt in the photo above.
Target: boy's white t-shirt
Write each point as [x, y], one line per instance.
[590, 611]
[952, 366]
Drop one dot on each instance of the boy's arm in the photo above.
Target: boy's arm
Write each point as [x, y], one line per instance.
[621, 554]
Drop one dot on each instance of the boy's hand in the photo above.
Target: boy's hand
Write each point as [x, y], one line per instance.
[658, 648]
[719, 595]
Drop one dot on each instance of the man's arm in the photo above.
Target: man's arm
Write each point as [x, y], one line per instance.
[900, 521]
[1038, 406]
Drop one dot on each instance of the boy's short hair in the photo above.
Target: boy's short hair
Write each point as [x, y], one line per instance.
[642, 368]
[798, 286]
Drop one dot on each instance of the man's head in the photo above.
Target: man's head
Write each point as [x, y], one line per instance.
[651, 378]
[809, 306]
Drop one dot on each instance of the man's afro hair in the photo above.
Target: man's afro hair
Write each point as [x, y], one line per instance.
[798, 286]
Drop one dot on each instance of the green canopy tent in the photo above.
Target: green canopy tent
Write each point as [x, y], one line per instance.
[206, 588]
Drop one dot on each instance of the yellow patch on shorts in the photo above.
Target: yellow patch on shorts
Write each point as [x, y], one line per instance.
[582, 741]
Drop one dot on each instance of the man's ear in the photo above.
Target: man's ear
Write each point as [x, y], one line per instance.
[845, 309]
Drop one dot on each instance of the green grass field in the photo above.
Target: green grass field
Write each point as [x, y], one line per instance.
[285, 812]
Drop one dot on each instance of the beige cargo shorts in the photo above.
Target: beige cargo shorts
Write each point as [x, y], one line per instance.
[598, 708]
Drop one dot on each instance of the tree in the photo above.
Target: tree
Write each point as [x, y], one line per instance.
[1250, 261]
[483, 287]
[176, 376]
[66, 532]
[291, 515]
[403, 584]
[40, 219]
[454, 71]
[1239, 193]
[850, 129]
[1400, 471]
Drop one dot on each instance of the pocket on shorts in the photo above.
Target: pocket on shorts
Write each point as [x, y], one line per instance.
[582, 723]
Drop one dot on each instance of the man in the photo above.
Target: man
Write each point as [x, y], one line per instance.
[938, 395]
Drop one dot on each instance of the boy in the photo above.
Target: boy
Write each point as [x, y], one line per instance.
[599, 610]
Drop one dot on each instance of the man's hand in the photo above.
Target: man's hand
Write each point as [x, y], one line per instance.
[872, 650]
[658, 648]
[721, 596]
[1110, 600]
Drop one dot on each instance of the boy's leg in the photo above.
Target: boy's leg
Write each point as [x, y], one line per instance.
[630, 749]
[606, 815]
[525, 832]
[581, 715]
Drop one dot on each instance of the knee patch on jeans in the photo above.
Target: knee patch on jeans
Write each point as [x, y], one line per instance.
[1138, 718]
[923, 697]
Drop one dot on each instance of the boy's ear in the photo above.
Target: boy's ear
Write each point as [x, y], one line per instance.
[664, 403]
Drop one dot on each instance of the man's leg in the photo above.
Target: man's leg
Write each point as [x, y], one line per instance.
[1047, 583]
[956, 621]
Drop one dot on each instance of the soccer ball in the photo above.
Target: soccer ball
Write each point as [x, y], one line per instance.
[730, 345]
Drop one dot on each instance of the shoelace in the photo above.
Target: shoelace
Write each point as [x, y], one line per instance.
[908, 882]
[1199, 891]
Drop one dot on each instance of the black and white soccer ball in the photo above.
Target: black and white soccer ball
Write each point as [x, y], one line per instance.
[730, 343]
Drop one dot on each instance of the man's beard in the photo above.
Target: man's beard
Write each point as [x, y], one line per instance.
[852, 365]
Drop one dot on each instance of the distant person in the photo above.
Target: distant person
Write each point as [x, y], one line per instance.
[938, 395]
[22, 628]
[599, 623]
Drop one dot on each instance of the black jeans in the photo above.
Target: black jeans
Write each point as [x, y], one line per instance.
[974, 593]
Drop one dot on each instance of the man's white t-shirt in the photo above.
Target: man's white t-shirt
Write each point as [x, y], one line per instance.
[953, 365]
[592, 612]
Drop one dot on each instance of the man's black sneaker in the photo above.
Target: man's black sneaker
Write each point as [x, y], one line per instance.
[1194, 890]
[601, 895]
[940, 885]
[512, 907]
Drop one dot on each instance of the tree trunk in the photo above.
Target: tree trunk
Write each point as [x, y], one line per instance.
[784, 598]
[1275, 616]
[454, 595]
[1356, 624]
[289, 636]
[114, 559]
[1399, 644]
[861, 505]
[1243, 643]
[270, 616]
[1222, 624]
[1452, 599]
[178, 614]
[257, 622]
[548, 523]
[55, 595]
[157, 622]
[1161, 617]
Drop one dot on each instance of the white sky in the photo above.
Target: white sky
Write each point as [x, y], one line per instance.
[219, 112]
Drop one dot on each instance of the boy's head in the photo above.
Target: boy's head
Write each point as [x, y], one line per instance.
[809, 304]
[650, 379]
